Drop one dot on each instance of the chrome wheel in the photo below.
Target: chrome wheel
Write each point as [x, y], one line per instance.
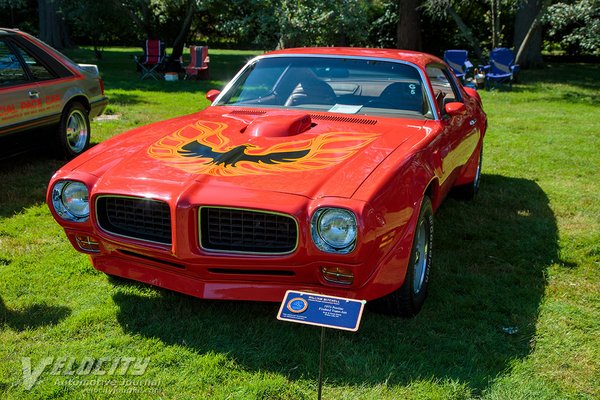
[421, 256]
[76, 131]
[478, 172]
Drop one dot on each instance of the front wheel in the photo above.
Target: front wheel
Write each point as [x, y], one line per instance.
[410, 297]
[74, 130]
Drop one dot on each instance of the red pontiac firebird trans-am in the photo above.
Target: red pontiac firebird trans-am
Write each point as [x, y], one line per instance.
[315, 169]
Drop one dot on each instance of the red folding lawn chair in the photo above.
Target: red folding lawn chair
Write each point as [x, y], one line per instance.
[198, 66]
[152, 60]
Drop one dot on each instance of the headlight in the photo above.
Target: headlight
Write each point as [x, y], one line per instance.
[334, 230]
[70, 200]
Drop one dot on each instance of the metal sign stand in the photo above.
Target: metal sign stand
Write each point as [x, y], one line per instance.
[324, 311]
[321, 361]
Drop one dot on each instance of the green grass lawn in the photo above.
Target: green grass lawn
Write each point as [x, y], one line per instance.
[513, 311]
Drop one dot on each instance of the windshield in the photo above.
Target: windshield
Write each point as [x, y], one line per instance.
[342, 85]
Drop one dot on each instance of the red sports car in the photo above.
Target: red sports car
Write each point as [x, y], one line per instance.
[315, 169]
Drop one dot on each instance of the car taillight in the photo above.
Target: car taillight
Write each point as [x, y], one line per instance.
[101, 85]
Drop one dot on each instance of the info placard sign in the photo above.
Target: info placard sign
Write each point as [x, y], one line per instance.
[321, 310]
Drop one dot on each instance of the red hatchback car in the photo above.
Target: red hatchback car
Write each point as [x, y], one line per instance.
[315, 169]
[41, 88]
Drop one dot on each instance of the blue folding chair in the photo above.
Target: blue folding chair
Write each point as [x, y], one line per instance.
[458, 60]
[502, 67]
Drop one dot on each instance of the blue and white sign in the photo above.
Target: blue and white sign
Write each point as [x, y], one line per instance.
[321, 310]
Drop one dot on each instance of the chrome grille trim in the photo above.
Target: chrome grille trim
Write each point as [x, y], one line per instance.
[136, 218]
[251, 229]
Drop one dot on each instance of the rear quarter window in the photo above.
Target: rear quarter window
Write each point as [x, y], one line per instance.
[11, 71]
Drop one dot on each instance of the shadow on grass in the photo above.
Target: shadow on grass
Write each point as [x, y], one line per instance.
[26, 166]
[126, 99]
[581, 83]
[487, 284]
[584, 76]
[32, 317]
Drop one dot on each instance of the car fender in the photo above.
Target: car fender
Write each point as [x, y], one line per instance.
[397, 204]
[75, 93]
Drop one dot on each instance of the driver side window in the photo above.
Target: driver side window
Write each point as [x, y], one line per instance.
[444, 87]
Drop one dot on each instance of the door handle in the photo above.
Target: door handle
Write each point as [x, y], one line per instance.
[34, 95]
[473, 121]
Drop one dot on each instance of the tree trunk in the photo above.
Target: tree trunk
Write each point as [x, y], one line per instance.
[409, 25]
[53, 29]
[466, 32]
[495, 23]
[528, 34]
[183, 33]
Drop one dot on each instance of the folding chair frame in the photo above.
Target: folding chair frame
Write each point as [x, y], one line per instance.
[151, 70]
[201, 72]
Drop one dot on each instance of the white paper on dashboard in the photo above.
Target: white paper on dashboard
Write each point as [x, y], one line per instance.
[345, 109]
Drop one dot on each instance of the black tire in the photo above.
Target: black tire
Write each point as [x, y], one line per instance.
[73, 131]
[410, 297]
[468, 192]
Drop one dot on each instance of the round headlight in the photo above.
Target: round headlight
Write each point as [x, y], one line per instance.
[71, 200]
[334, 230]
[75, 199]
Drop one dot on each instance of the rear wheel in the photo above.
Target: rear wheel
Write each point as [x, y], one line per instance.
[468, 192]
[74, 130]
[409, 298]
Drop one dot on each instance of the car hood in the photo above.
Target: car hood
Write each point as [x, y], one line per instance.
[312, 155]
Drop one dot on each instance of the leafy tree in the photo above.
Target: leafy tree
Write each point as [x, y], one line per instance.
[575, 26]
[248, 23]
[98, 23]
[17, 14]
[322, 22]
[442, 9]
[383, 29]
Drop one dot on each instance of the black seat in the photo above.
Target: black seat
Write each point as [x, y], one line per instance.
[403, 96]
[311, 91]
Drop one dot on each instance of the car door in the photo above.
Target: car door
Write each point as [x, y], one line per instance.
[16, 87]
[45, 99]
[459, 137]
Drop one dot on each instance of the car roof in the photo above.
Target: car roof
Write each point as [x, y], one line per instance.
[414, 57]
[7, 31]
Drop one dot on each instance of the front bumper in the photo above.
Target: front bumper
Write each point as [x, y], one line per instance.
[378, 263]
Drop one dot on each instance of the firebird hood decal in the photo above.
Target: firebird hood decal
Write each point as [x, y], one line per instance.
[202, 148]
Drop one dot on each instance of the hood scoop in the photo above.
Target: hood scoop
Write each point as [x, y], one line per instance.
[278, 125]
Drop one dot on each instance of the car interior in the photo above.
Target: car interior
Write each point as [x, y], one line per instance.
[356, 89]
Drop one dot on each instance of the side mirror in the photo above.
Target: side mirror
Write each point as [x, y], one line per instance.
[455, 108]
[471, 92]
[212, 94]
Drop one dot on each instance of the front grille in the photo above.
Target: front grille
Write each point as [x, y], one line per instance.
[236, 230]
[133, 217]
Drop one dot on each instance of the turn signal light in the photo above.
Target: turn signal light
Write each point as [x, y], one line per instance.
[340, 275]
[87, 243]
